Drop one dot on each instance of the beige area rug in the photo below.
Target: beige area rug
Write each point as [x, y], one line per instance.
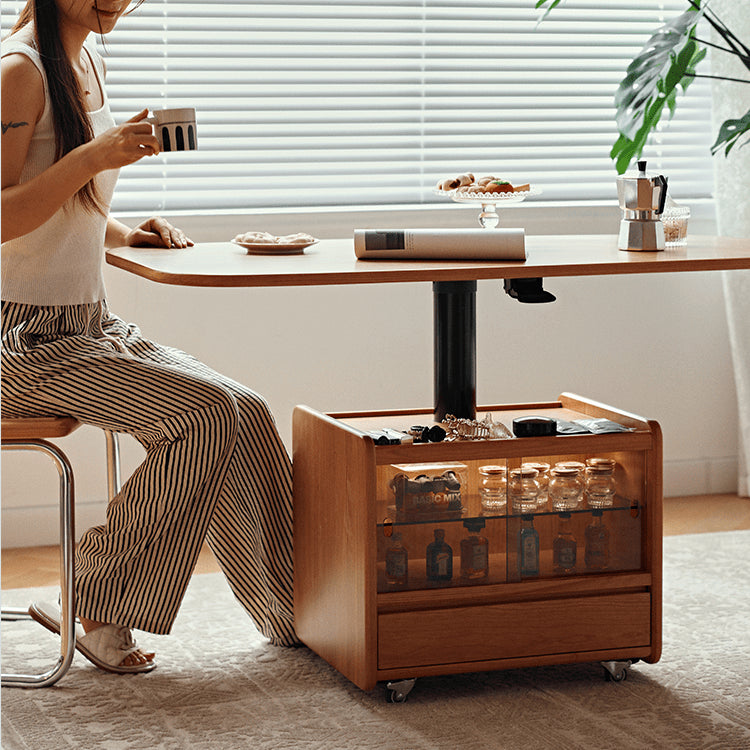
[220, 686]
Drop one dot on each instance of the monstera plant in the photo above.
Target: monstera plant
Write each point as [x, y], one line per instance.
[667, 63]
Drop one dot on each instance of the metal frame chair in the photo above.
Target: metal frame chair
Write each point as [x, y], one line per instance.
[34, 434]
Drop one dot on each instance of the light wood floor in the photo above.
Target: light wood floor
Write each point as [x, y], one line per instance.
[40, 566]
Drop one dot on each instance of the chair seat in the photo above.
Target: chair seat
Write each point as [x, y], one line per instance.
[32, 428]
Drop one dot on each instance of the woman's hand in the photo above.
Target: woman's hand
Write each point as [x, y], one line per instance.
[124, 144]
[157, 232]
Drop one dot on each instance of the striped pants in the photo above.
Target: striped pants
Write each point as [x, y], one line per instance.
[215, 466]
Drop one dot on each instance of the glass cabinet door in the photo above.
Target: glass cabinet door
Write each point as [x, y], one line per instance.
[587, 518]
[479, 522]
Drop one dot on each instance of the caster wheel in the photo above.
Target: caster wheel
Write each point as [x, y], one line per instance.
[398, 690]
[616, 671]
[617, 676]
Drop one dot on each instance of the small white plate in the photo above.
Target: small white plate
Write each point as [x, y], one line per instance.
[275, 248]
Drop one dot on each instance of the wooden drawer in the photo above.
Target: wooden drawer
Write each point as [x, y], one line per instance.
[557, 626]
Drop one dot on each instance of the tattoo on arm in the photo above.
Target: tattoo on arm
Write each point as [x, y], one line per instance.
[8, 125]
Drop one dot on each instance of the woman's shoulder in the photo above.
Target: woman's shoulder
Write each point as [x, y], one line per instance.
[20, 68]
[21, 41]
[22, 64]
[22, 71]
[19, 53]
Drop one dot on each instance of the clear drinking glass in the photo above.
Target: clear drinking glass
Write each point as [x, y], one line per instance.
[675, 221]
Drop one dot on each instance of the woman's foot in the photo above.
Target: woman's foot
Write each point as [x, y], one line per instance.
[109, 647]
[133, 659]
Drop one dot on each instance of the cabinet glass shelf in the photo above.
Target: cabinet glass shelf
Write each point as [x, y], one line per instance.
[620, 504]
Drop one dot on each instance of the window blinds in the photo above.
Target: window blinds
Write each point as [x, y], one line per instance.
[354, 102]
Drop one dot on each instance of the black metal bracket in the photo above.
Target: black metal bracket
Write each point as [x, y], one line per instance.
[527, 290]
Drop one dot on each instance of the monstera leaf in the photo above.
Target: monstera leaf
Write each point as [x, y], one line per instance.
[730, 133]
[552, 4]
[667, 61]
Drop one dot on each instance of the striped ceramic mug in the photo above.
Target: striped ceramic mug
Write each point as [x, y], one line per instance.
[175, 129]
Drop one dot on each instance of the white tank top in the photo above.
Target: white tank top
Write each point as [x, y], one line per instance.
[60, 262]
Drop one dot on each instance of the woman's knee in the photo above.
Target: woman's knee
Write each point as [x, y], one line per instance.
[254, 409]
[218, 419]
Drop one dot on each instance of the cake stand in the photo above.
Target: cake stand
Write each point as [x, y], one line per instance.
[488, 217]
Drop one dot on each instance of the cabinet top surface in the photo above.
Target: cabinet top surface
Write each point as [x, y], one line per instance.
[643, 435]
[224, 264]
[365, 421]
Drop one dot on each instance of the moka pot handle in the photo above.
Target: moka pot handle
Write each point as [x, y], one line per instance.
[661, 180]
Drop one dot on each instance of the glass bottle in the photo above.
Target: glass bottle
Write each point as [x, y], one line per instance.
[523, 490]
[493, 488]
[396, 562]
[475, 561]
[542, 480]
[528, 548]
[564, 548]
[597, 543]
[600, 485]
[439, 558]
[565, 487]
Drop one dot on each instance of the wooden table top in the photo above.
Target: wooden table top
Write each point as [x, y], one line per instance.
[224, 264]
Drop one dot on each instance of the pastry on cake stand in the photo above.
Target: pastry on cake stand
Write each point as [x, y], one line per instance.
[489, 192]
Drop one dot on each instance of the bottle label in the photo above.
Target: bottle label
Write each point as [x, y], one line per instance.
[395, 565]
[479, 559]
[441, 564]
[529, 553]
[565, 553]
[596, 558]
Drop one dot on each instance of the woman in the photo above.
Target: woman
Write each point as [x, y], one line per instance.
[215, 466]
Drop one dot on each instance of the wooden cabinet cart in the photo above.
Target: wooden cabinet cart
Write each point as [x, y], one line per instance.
[370, 630]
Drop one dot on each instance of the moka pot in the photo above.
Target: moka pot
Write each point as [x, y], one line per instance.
[642, 200]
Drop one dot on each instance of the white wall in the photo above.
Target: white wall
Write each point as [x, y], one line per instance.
[653, 345]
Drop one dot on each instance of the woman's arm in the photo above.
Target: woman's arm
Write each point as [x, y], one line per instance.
[154, 232]
[28, 205]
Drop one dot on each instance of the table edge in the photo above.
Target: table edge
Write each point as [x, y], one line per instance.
[453, 271]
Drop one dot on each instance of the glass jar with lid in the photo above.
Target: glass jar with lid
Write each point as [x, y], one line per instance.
[600, 461]
[493, 488]
[579, 466]
[565, 487]
[600, 483]
[523, 489]
[542, 479]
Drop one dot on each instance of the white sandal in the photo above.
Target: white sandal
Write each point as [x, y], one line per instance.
[106, 647]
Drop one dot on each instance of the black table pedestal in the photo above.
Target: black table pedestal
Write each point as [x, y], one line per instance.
[455, 335]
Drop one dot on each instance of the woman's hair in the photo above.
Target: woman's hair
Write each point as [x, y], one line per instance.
[71, 122]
